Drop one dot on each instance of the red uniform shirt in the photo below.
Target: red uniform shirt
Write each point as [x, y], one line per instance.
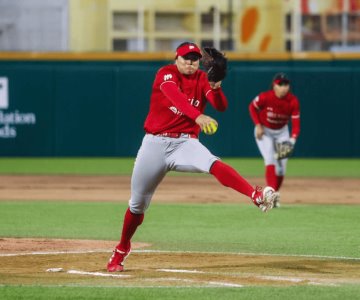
[177, 100]
[274, 112]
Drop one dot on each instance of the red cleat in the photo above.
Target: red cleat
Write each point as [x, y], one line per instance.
[116, 261]
[265, 198]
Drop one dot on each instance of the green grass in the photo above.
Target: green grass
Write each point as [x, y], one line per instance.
[77, 166]
[249, 293]
[123, 166]
[294, 229]
[311, 230]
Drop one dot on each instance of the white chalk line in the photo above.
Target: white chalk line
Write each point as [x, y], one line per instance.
[99, 274]
[251, 254]
[225, 284]
[216, 283]
[184, 252]
[310, 281]
[77, 272]
[196, 283]
[180, 271]
[199, 272]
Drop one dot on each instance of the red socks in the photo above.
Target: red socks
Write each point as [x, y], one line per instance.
[131, 222]
[279, 182]
[228, 176]
[272, 179]
[270, 176]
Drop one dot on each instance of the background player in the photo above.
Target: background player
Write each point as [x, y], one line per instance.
[271, 112]
[179, 94]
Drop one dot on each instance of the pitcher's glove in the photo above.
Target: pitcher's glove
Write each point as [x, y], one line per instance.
[214, 63]
[283, 149]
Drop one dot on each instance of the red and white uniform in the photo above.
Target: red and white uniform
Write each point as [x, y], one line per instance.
[171, 143]
[274, 114]
[177, 100]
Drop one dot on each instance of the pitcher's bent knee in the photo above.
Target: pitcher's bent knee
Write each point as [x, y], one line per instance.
[137, 210]
[139, 207]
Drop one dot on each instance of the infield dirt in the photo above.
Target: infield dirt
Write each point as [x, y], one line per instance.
[179, 189]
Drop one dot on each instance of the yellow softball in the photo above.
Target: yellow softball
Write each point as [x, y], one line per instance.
[211, 128]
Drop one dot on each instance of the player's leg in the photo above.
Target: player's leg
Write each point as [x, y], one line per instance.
[280, 166]
[123, 249]
[270, 176]
[279, 181]
[266, 148]
[280, 171]
[229, 177]
[149, 170]
[192, 156]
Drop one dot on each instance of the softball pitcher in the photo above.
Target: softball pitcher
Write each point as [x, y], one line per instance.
[271, 112]
[180, 93]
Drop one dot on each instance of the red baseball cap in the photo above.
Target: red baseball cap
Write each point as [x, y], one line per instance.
[281, 78]
[187, 48]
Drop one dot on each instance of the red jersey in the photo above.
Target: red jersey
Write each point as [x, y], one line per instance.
[178, 99]
[273, 112]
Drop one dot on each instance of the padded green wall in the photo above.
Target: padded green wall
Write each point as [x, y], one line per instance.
[98, 108]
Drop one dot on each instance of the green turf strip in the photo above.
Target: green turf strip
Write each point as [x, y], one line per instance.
[123, 166]
[258, 293]
[293, 229]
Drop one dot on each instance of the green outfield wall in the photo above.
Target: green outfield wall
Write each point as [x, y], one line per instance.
[97, 107]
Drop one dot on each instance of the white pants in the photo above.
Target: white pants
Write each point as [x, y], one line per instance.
[267, 147]
[159, 155]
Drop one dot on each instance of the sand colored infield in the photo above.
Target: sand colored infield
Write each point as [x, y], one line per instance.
[46, 266]
[82, 262]
[204, 189]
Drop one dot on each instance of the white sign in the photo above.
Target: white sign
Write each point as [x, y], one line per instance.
[4, 93]
[10, 120]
